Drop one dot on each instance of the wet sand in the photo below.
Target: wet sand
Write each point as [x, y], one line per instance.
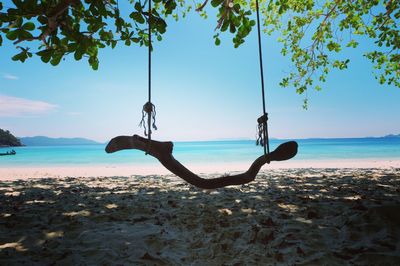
[285, 217]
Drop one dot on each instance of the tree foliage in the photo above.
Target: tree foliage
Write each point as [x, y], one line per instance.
[8, 139]
[313, 33]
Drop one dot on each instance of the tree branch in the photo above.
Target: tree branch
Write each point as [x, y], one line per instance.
[52, 23]
[200, 8]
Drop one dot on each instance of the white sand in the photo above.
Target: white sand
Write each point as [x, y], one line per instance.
[13, 173]
[285, 217]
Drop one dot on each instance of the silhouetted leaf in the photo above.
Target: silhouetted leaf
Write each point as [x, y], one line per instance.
[12, 35]
[29, 26]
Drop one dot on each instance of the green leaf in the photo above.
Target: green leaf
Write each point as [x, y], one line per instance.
[45, 58]
[113, 44]
[305, 104]
[18, 22]
[110, 35]
[382, 79]
[95, 65]
[12, 35]
[72, 47]
[217, 41]
[56, 59]
[22, 56]
[92, 50]
[216, 3]
[78, 53]
[232, 28]
[160, 25]
[137, 17]
[93, 62]
[47, 52]
[352, 43]
[23, 34]
[170, 5]
[29, 26]
[42, 19]
[333, 46]
[138, 7]
[16, 57]
[225, 25]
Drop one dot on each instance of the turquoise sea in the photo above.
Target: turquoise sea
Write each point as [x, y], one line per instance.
[203, 152]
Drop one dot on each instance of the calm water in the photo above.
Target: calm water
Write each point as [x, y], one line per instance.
[203, 152]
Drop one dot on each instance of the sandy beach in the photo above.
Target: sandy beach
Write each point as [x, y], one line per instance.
[23, 172]
[285, 217]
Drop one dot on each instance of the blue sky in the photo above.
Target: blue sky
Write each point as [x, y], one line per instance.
[201, 92]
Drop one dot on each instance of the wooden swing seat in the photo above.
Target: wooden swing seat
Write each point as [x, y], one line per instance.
[163, 152]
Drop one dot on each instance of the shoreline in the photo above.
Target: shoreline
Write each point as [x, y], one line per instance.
[47, 171]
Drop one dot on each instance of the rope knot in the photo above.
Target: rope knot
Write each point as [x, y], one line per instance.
[261, 130]
[148, 107]
[149, 114]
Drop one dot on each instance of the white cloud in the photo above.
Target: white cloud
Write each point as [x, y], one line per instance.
[10, 77]
[13, 106]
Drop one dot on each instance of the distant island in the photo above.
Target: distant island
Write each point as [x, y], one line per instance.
[392, 136]
[46, 141]
[8, 140]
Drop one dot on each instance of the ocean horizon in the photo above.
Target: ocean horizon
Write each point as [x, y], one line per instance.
[203, 152]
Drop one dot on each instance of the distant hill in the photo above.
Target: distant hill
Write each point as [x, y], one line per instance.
[8, 140]
[392, 136]
[46, 141]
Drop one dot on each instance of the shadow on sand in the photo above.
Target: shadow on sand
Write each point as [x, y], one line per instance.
[327, 216]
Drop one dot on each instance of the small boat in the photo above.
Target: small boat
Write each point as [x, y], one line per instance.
[12, 152]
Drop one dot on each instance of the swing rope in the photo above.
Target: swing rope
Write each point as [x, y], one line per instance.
[262, 128]
[149, 109]
[149, 25]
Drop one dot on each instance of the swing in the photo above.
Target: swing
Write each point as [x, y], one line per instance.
[163, 150]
